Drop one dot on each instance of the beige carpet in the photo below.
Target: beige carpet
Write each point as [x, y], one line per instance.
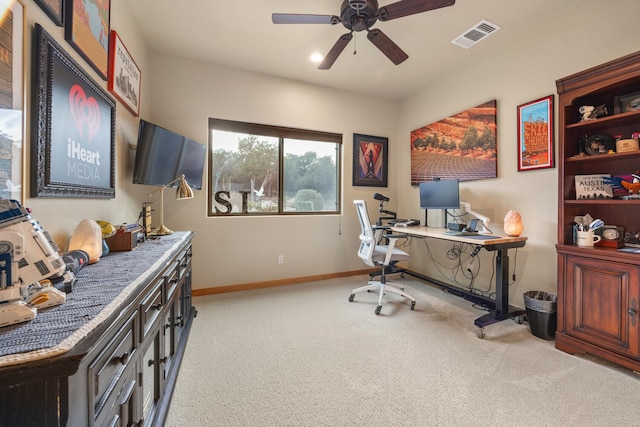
[304, 356]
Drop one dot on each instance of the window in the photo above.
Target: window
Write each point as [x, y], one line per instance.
[265, 170]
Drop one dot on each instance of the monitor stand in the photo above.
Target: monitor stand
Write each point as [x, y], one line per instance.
[426, 218]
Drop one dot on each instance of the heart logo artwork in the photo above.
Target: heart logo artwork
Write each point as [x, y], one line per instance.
[85, 112]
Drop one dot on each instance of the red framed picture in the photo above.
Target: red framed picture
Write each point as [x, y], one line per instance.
[535, 134]
[124, 75]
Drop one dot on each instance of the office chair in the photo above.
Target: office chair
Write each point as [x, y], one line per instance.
[389, 218]
[377, 255]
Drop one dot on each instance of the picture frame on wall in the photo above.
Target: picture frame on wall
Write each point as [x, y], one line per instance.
[124, 75]
[73, 127]
[12, 101]
[54, 10]
[370, 160]
[86, 28]
[535, 134]
[462, 146]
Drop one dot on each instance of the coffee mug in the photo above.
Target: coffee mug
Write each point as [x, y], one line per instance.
[586, 239]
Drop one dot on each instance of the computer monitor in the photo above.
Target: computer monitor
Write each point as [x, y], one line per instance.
[439, 194]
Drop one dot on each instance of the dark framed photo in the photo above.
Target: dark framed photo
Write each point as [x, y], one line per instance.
[86, 28]
[626, 103]
[370, 160]
[73, 134]
[124, 75]
[54, 10]
[535, 134]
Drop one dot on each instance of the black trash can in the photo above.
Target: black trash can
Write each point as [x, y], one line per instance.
[541, 310]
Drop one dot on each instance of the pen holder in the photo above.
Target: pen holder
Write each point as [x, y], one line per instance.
[586, 239]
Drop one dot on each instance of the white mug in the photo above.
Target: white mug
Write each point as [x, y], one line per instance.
[586, 239]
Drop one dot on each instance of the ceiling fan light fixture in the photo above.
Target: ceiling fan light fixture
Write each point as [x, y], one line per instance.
[316, 57]
[361, 15]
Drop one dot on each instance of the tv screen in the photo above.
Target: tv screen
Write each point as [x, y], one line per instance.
[162, 155]
[440, 194]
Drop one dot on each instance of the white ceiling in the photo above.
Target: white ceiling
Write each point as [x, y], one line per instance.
[240, 34]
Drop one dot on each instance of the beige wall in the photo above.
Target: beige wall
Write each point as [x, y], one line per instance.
[181, 95]
[236, 250]
[520, 70]
[60, 216]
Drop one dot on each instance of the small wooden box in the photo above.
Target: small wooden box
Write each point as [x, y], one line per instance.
[125, 240]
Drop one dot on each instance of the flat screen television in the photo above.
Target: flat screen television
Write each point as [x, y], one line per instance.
[162, 155]
[440, 194]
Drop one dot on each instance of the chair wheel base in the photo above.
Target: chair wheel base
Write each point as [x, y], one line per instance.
[413, 305]
[351, 297]
[378, 309]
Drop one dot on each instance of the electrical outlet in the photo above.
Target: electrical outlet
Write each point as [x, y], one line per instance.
[280, 259]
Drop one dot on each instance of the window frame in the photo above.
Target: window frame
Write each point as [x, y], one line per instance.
[280, 132]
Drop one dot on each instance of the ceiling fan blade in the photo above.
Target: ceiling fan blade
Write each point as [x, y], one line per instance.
[410, 7]
[386, 46]
[296, 18]
[335, 51]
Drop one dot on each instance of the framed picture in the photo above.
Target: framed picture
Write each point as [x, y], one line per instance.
[54, 9]
[87, 30]
[73, 134]
[12, 101]
[626, 103]
[370, 160]
[462, 146]
[535, 134]
[124, 75]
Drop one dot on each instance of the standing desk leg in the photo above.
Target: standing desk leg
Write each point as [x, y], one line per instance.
[501, 311]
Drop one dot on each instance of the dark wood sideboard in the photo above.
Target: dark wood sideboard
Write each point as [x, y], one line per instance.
[119, 366]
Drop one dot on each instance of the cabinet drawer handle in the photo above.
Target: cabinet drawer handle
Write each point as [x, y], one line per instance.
[157, 306]
[178, 320]
[150, 362]
[164, 359]
[633, 313]
[123, 359]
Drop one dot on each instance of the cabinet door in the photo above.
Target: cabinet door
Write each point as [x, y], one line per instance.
[169, 339]
[602, 303]
[151, 380]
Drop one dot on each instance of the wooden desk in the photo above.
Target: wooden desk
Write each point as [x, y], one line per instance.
[499, 308]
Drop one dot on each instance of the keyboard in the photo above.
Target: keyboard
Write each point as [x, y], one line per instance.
[406, 222]
[460, 233]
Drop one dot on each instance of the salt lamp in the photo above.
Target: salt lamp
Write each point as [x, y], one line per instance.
[87, 237]
[513, 224]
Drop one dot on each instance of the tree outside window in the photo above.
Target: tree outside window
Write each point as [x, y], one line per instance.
[258, 170]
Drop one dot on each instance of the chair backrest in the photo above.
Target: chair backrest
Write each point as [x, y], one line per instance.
[367, 236]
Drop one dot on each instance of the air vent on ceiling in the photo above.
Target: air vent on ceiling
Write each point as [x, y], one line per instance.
[474, 34]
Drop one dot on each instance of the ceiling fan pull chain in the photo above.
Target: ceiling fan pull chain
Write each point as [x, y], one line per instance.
[355, 44]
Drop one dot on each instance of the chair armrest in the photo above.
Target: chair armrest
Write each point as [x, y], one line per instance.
[395, 236]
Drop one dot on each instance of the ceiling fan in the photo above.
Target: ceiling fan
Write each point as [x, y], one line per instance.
[360, 15]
